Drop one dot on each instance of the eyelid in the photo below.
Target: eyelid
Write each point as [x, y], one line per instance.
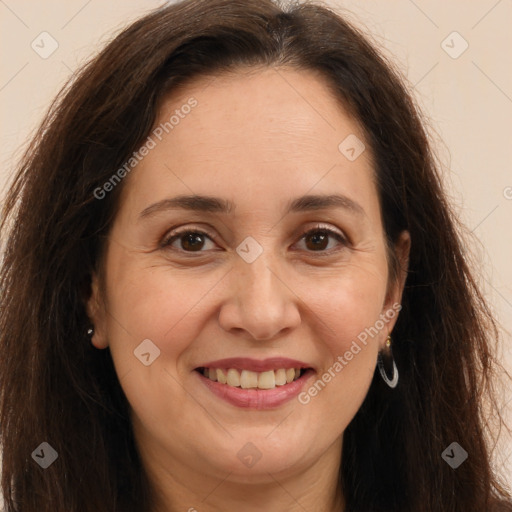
[177, 232]
[320, 226]
[339, 235]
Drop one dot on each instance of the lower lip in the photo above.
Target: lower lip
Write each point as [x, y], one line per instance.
[257, 398]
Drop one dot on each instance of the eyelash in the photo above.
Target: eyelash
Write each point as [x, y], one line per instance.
[320, 228]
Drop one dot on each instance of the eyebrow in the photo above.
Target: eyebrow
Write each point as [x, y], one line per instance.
[209, 204]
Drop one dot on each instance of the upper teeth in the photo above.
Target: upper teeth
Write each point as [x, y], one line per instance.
[247, 379]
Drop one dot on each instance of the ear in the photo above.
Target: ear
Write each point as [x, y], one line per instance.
[396, 287]
[97, 314]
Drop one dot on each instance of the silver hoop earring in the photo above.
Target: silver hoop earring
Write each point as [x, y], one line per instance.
[394, 379]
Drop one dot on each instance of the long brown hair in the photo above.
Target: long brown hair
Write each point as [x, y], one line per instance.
[56, 388]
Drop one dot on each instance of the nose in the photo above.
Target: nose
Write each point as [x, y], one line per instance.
[260, 302]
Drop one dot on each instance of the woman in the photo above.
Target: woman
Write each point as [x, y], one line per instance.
[232, 281]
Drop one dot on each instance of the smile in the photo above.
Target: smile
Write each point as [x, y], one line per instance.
[246, 379]
[255, 384]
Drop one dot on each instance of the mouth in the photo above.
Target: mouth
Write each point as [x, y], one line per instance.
[254, 384]
[247, 379]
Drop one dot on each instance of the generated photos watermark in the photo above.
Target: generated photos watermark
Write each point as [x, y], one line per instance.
[151, 142]
[343, 360]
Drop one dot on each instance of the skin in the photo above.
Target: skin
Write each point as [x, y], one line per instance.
[258, 138]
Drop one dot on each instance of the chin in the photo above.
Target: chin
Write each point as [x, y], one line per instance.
[254, 459]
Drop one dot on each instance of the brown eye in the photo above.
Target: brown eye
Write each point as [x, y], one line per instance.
[188, 241]
[192, 242]
[319, 240]
[316, 240]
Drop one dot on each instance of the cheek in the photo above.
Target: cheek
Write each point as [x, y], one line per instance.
[348, 305]
[167, 308]
[348, 318]
[170, 308]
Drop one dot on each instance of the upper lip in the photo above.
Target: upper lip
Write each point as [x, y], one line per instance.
[256, 365]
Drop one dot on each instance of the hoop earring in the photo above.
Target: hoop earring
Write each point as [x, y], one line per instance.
[90, 331]
[394, 379]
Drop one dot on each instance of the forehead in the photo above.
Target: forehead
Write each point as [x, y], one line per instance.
[270, 109]
[265, 133]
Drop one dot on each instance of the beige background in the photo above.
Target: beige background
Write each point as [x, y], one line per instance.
[467, 99]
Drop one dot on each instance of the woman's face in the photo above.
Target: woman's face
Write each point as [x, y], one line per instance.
[284, 267]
